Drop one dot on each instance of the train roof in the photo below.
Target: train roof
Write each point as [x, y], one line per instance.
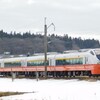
[68, 53]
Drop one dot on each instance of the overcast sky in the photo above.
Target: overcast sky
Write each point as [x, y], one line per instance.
[72, 17]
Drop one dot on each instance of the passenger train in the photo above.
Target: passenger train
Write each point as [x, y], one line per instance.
[67, 64]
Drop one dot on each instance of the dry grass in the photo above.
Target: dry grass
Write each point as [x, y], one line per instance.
[10, 93]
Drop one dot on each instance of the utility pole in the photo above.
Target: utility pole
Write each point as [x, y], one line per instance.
[45, 45]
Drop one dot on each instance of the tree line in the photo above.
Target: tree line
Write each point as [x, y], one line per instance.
[23, 43]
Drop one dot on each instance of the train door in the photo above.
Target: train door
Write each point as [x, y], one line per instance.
[24, 63]
[52, 62]
[2, 64]
[85, 59]
[52, 67]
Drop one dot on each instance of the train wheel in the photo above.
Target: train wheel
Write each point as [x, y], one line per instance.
[81, 74]
[69, 74]
[74, 74]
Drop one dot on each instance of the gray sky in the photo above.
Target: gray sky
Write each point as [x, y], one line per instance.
[78, 18]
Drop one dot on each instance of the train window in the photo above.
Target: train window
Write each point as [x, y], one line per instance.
[74, 61]
[69, 61]
[12, 64]
[98, 56]
[92, 52]
[80, 61]
[59, 62]
[36, 63]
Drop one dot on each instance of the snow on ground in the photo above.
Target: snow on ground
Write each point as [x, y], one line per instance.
[51, 89]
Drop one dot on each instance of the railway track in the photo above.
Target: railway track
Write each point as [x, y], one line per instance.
[80, 78]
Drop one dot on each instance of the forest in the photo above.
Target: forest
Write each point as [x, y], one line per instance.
[24, 43]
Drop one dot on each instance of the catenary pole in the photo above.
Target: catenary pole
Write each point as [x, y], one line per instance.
[45, 45]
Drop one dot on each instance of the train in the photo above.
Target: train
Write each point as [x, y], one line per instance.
[71, 63]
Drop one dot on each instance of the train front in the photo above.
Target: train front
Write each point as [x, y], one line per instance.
[96, 67]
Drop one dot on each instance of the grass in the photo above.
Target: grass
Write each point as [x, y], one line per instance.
[10, 93]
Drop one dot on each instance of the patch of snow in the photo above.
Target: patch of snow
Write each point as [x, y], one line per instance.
[50, 89]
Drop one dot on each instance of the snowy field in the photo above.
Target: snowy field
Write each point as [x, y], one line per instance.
[51, 89]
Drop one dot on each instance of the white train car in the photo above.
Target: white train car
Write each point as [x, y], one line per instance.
[67, 58]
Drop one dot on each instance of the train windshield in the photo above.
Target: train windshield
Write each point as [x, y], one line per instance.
[98, 56]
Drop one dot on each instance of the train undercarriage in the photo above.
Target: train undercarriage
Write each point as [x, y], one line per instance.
[53, 74]
[53, 71]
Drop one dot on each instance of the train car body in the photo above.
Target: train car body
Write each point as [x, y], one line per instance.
[70, 63]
